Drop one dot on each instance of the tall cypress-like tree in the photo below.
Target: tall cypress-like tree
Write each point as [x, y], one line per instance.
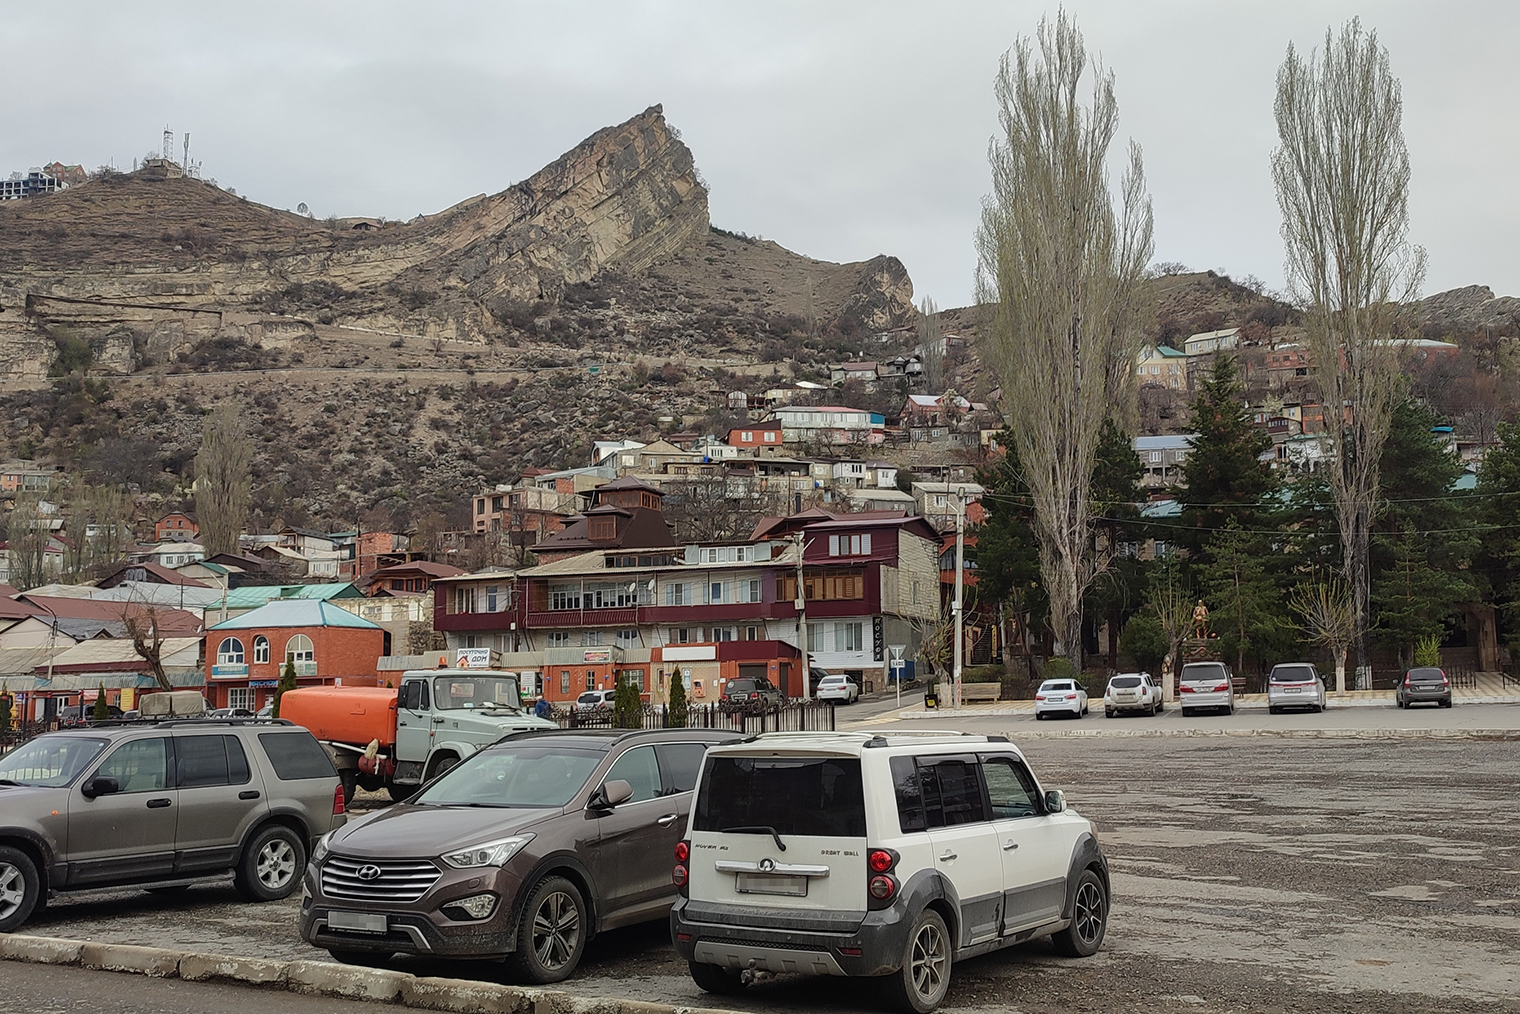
[1120, 586]
[1224, 478]
[1242, 590]
[1496, 509]
[1007, 553]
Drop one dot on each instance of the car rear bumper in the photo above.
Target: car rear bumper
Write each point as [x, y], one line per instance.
[1117, 706]
[881, 940]
[1208, 700]
[1059, 707]
[1299, 700]
[1421, 696]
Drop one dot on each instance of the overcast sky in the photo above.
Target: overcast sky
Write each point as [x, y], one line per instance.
[840, 130]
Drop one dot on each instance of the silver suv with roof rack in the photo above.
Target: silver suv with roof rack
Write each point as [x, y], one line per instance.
[888, 856]
[161, 805]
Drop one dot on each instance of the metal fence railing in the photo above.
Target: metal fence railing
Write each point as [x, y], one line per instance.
[810, 716]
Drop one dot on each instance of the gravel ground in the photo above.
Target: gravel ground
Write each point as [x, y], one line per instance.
[1276, 875]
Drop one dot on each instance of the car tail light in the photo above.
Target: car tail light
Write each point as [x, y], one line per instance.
[883, 888]
[679, 875]
[683, 851]
[881, 860]
[1221, 688]
[1184, 689]
[338, 800]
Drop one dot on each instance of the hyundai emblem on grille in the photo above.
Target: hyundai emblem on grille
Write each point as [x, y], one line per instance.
[370, 872]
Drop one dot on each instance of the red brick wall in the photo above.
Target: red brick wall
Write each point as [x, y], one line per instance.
[340, 651]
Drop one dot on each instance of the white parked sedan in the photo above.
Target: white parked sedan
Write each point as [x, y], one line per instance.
[1295, 685]
[837, 687]
[1060, 697]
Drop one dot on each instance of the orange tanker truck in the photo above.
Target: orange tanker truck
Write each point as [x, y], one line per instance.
[397, 739]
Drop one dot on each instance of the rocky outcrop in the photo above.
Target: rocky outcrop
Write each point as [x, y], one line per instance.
[1468, 309]
[882, 297]
[148, 253]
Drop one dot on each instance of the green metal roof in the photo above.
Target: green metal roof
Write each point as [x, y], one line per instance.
[253, 596]
[296, 613]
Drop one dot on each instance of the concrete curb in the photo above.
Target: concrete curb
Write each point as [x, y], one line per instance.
[1497, 735]
[325, 978]
[1028, 709]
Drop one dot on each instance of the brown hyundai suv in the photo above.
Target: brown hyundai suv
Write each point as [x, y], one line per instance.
[523, 851]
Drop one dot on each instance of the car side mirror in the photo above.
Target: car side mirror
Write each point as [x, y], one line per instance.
[100, 785]
[1055, 801]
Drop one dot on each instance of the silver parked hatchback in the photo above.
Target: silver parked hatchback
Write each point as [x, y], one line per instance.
[160, 805]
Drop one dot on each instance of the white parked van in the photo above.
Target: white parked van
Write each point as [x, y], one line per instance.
[890, 855]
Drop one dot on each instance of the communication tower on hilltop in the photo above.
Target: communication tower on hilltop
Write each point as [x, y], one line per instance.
[168, 144]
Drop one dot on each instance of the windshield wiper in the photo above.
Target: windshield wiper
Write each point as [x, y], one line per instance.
[756, 829]
[7, 781]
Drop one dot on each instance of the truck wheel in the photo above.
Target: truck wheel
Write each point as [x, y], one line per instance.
[552, 933]
[924, 978]
[20, 887]
[716, 978]
[440, 764]
[272, 865]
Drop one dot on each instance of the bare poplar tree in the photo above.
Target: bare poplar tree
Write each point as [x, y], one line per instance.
[931, 349]
[1342, 175]
[1063, 269]
[27, 535]
[223, 480]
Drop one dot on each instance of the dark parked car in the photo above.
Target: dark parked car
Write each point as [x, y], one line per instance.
[1423, 685]
[522, 851]
[159, 805]
[745, 690]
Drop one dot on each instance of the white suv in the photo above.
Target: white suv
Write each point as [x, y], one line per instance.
[890, 856]
[1132, 691]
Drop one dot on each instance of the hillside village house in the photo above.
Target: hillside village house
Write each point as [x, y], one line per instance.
[1163, 457]
[176, 527]
[1206, 342]
[529, 512]
[246, 654]
[625, 514]
[830, 424]
[757, 438]
[1160, 364]
[940, 502]
[25, 476]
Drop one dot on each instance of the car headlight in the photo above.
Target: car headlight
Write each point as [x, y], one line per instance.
[324, 846]
[491, 853]
[476, 906]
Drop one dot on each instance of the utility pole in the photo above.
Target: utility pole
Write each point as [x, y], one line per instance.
[960, 566]
[801, 604]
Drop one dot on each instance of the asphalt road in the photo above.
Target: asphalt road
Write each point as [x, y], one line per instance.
[1250, 874]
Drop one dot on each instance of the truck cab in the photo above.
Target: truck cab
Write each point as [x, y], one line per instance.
[444, 715]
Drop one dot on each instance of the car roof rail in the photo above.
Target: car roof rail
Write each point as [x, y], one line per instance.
[162, 723]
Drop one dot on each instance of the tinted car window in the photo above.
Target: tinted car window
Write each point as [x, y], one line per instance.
[1010, 788]
[1057, 685]
[528, 776]
[49, 761]
[237, 761]
[139, 766]
[639, 769]
[821, 796]
[1203, 671]
[296, 755]
[1292, 674]
[1124, 682]
[1426, 674]
[679, 763]
[743, 686]
[952, 793]
[909, 788]
[200, 760]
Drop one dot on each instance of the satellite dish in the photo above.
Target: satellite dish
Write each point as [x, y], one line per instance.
[302, 209]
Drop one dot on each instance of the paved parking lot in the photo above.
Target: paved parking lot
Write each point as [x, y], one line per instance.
[1251, 874]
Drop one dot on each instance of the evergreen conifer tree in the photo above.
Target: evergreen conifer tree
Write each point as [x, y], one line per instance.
[675, 709]
[100, 712]
[287, 682]
[1224, 477]
[627, 708]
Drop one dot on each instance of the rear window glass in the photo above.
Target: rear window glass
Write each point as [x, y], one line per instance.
[745, 685]
[1056, 685]
[1124, 682]
[296, 755]
[1426, 674]
[1292, 674]
[1203, 671]
[813, 796]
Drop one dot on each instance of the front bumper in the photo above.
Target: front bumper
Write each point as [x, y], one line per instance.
[729, 940]
[420, 927]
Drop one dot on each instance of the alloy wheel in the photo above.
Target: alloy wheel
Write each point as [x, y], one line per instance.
[556, 930]
[12, 889]
[1089, 912]
[927, 964]
[277, 864]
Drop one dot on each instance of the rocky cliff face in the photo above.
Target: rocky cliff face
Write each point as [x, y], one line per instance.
[1468, 309]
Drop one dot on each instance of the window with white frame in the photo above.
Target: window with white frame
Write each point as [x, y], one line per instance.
[723, 634]
[299, 649]
[464, 599]
[260, 649]
[675, 594]
[847, 637]
[559, 638]
[229, 652]
[627, 638]
[493, 598]
[716, 592]
[850, 545]
[814, 637]
[591, 638]
[237, 697]
[564, 596]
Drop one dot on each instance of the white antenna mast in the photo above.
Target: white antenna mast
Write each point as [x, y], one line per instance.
[168, 144]
[187, 152]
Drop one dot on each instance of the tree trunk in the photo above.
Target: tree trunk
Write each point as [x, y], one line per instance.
[1340, 672]
[1358, 575]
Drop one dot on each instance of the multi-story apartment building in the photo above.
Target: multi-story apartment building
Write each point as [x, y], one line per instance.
[867, 581]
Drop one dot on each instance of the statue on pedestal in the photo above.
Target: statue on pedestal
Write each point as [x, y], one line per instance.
[1201, 621]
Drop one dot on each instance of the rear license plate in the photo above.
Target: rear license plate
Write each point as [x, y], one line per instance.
[760, 883]
[1290, 690]
[357, 922]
